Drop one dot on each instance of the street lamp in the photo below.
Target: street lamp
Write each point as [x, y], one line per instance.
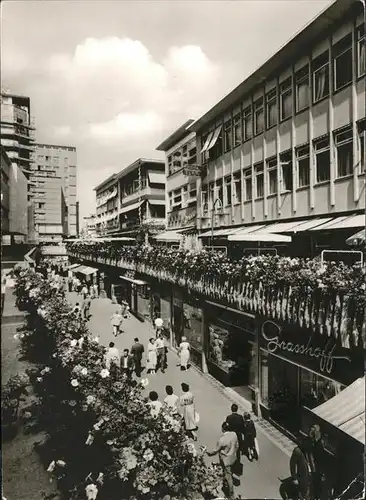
[216, 202]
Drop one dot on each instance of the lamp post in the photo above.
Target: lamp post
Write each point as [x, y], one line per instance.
[217, 201]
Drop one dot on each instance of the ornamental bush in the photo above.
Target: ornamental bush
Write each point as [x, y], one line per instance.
[102, 440]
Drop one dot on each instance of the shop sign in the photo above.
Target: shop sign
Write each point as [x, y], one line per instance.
[192, 170]
[317, 352]
[182, 217]
[236, 319]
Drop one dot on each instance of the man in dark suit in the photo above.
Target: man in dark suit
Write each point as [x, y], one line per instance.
[302, 468]
[137, 351]
[236, 424]
[127, 363]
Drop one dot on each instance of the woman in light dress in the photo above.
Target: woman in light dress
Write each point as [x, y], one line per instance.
[151, 356]
[184, 354]
[188, 411]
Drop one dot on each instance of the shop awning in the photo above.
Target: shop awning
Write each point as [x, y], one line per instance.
[157, 202]
[156, 177]
[169, 237]
[307, 225]
[134, 206]
[73, 266]
[261, 237]
[228, 231]
[357, 239]
[207, 142]
[215, 136]
[86, 270]
[135, 282]
[344, 222]
[346, 410]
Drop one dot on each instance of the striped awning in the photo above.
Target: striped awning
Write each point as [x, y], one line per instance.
[357, 239]
[343, 222]
[346, 410]
[169, 236]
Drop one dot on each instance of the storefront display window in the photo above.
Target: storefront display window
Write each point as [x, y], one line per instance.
[192, 326]
[316, 389]
[165, 314]
[143, 304]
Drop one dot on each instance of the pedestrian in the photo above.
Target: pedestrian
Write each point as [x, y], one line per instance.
[125, 309]
[77, 310]
[151, 356]
[160, 352]
[184, 353]
[302, 468]
[127, 363]
[250, 436]
[137, 351]
[236, 424]
[84, 291]
[3, 292]
[154, 403]
[112, 356]
[116, 320]
[171, 399]
[158, 324]
[227, 448]
[190, 416]
[96, 291]
[71, 283]
[86, 307]
[91, 291]
[320, 479]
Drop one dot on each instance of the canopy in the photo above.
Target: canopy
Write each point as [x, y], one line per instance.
[134, 206]
[73, 266]
[86, 270]
[135, 282]
[344, 222]
[231, 231]
[357, 239]
[259, 236]
[156, 177]
[346, 410]
[157, 202]
[169, 237]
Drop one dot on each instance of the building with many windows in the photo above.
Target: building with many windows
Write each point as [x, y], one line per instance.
[89, 227]
[17, 139]
[288, 144]
[182, 173]
[54, 188]
[131, 199]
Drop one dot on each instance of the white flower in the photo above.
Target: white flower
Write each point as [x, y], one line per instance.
[21, 335]
[73, 343]
[91, 492]
[145, 489]
[90, 439]
[104, 373]
[46, 369]
[98, 424]
[84, 371]
[61, 463]
[74, 382]
[72, 403]
[16, 336]
[192, 449]
[51, 467]
[100, 478]
[27, 414]
[144, 382]
[54, 355]
[96, 339]
[90, 399]
[131, 462]
[80, 342]
[39, 379]
[148, 455]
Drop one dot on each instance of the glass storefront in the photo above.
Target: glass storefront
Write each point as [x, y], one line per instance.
[192, 326]
[143, 303]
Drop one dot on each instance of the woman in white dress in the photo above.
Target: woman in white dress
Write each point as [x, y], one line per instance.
[184, 354]
[188, 411]
[151, 356]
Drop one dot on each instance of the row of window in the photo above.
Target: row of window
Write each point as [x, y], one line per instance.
[185, 155]
[183, 196]
[293, 94]
[280, 178]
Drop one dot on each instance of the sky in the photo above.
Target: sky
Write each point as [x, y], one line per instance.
[116, 78]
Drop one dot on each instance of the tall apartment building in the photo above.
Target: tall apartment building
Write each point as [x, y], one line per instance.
[182, 173]
[17, 139]
[89, 227]
[287, 146]
[54, 187]
[133, 197]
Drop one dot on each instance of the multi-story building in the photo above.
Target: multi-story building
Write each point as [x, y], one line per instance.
[5, 192]
[182, 173]
[288, 144]
[17, 139]
[89, 228]
[134, 197]
[54, 187]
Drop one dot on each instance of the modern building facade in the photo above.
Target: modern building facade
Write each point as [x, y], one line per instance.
[288, 144]
[17, 139]
[89, 227]
[182, 173]
[134, 197]
[54, 189]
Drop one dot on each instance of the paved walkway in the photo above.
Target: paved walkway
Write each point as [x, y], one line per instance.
[259, 479]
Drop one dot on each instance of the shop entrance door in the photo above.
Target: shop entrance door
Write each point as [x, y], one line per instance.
[177, 325]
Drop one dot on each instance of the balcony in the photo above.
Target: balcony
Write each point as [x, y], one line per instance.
[145, 193]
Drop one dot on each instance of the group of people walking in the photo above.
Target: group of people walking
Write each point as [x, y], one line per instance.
[82, 287]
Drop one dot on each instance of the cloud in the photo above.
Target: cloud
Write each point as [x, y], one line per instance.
[62, 131]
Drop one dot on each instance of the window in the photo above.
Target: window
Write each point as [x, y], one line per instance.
[286, 168]
[41, 205]
[237, 130]
[272, 175]
[227, 135]
[322, 153]
[342, 62]
[320, 67]
[47, 158]
[228, 192]
[361, 135]
[247, 123]
[361, 51]
[204, 199]
[219, 192]
[286, 98]
[248, 184]
[271, 102]
[258, 116]
[302, 88]
[303, 165]
[211, 193]
[237, 187]
[259, 180]
[344, 144]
